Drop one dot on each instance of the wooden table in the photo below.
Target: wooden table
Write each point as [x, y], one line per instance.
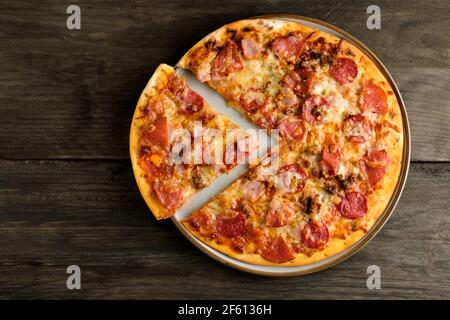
[67, 192]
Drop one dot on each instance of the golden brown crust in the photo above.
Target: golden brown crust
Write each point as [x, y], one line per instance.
[159, 78]
[199, 51]
[334, 247]
[379, 199]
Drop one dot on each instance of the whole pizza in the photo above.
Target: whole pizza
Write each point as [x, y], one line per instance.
[316, 193]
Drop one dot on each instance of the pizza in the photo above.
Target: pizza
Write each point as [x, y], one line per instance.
[341, 142]
[340, 152]
[168, 167]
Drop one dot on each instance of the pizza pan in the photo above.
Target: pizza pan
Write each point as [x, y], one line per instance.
[341, 256]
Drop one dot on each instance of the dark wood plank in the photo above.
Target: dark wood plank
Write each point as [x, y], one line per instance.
[71, 94]
[90, 213]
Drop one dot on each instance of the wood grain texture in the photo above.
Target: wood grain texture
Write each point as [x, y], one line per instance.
[66, 101]
[71, 94]
[90, 213]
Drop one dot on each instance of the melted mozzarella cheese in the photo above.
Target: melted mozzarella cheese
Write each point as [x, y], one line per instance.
[342, 99]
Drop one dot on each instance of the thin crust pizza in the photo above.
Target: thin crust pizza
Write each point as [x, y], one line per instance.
[169, 119]
[341, 146]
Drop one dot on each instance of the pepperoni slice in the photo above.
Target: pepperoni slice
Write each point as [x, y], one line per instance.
[280, 213]
[373, 98]
[169, 194]
[192, 102]
[288, 48]
[279, 251]
[373, 175]
[353, 205]
[314, 108]
[250, 48]
[331, 159]
[232, 227]
[292, 128]
[377, 158]
[344, 70]
[374, 166]
[292, 178]
[300, 80]
[252, 101]
[357, 128]
[227, 62]
[156, 134]
[314, 236]
[253, 190]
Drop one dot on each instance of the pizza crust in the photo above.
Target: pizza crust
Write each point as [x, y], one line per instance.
[159, 78]
[333, 247]
[198, 51]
